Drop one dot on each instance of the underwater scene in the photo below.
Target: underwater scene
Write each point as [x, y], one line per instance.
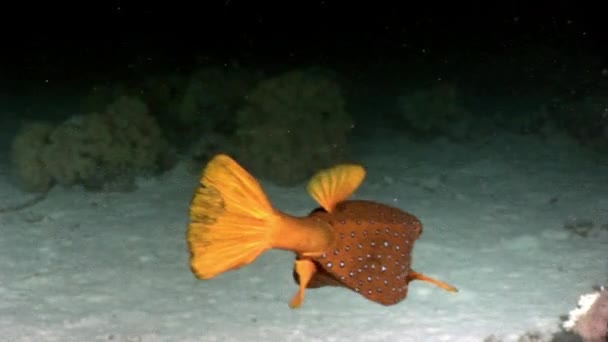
[242, 171]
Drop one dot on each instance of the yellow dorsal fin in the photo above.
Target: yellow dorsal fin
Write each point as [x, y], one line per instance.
[331, 186]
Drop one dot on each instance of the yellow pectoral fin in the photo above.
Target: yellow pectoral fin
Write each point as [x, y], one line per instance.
[305, 269]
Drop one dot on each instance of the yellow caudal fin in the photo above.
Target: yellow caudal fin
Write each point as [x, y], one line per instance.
[230, 219]
[334, 185]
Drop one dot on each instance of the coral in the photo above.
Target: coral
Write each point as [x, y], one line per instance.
[212, 93]
[433, 111]
[28, 168]
[95, 150]
[97, 97]
[590, 319]
[586, 120]
[190, 105]
[292, 125]
[199, 103]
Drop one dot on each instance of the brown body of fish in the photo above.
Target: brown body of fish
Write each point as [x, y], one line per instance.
[361, 245]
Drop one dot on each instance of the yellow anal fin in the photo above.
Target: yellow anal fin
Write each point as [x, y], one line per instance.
[305, 269]
[334, 185]
[231, 219]
[419, 276]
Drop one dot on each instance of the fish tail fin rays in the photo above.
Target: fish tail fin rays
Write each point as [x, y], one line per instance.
[334, 185]
[231, 219]
[419, 276]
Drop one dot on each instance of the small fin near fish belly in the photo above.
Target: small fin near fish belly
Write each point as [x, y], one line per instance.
[231, 219]
[333, 185]
[321, 279]
[305, 270]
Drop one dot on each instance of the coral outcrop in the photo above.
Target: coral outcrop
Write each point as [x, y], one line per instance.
[97, 150]
[291, 125]
[437, 110]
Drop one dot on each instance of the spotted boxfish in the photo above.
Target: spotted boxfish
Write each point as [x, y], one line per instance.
[357, 244]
